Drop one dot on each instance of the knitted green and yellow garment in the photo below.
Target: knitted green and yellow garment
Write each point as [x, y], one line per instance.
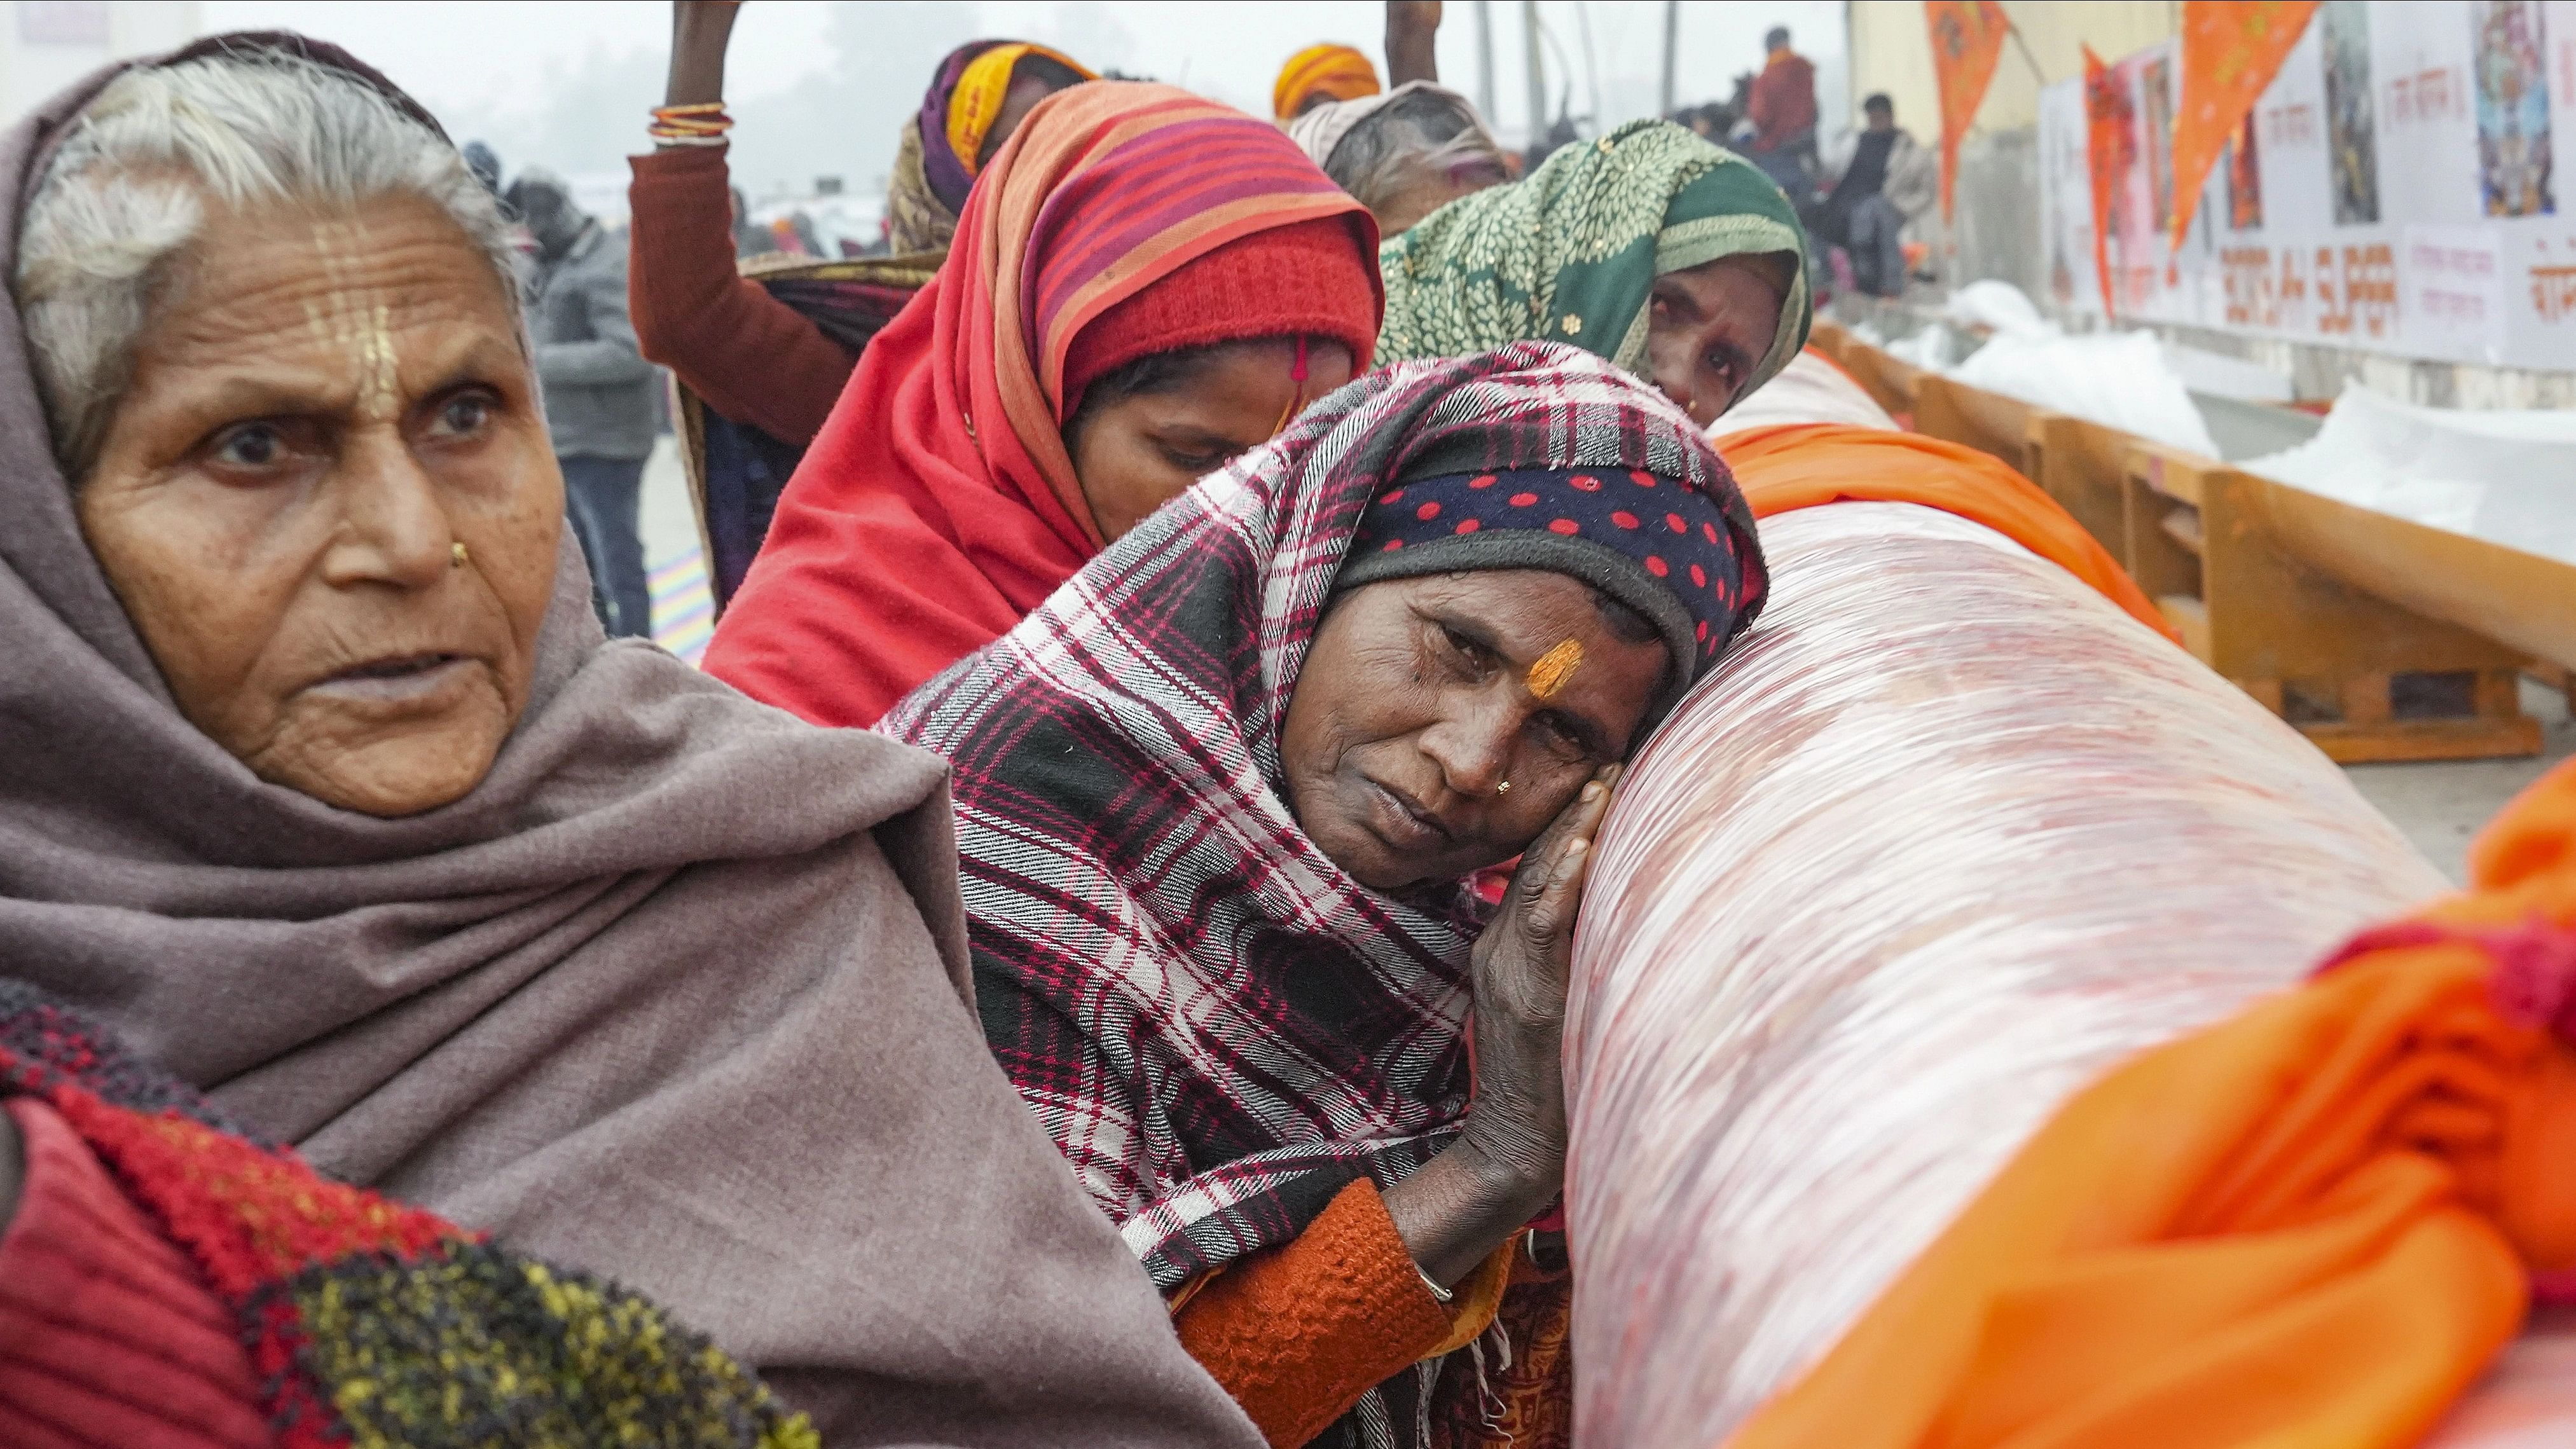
[372, 1323]
[1570, 252]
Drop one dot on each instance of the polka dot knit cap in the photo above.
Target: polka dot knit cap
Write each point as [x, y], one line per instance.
[1656, 545]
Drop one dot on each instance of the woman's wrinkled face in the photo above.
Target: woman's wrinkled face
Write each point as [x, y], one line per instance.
[1418, 700]
[329, 504]
[1709, 326]
[1140, 452]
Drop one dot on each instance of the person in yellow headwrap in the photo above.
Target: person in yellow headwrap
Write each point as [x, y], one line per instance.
[975, 101]
[1321, 73]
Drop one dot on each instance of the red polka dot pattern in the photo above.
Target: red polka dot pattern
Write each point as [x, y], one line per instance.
[1694, 553]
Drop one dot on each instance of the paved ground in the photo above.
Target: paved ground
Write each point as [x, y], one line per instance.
[2440, 806]
[683, 615]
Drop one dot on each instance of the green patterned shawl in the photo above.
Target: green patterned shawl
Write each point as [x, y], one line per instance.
[1570, 252]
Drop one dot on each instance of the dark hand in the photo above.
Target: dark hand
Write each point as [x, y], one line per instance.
[1521, 965]
[1510, 1160]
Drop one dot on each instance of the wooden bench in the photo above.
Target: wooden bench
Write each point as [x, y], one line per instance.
[2363, 677]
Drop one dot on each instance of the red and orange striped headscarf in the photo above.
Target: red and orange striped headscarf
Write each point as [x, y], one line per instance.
[939, 504]
[1337, 72]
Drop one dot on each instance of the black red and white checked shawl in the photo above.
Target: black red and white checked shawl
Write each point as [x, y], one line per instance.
[1219, 1027]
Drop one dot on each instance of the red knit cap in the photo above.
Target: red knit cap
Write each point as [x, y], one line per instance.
[1310, 279]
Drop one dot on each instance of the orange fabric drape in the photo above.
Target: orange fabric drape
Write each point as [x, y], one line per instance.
[2313, 1224]
[2231, 49]
[1967, 41]
[2106, 121]
[1799, 465]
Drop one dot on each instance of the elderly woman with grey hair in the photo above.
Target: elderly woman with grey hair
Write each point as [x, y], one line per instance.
[1404, 154]
[325, 793]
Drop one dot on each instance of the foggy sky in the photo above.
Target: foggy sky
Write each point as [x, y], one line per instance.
[818, 89]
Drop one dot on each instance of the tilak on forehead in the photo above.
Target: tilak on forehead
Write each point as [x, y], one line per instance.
[1555, 669]
[342, 319]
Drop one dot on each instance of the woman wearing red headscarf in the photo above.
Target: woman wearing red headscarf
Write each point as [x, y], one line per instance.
[1143, 285]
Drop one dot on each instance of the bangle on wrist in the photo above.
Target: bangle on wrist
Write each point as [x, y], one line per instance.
[701, 123]
[1438, 1293]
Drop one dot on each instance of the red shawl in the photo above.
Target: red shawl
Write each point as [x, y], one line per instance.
[938, 506]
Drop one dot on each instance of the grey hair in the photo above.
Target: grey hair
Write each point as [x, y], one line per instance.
[1416, 135]
[135, 176]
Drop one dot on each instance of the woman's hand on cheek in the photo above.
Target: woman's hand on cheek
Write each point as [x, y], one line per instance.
[1521, 965]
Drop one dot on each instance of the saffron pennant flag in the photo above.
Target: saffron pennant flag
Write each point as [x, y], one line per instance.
[1967, 41]
[2231, 49]
[2107, 115]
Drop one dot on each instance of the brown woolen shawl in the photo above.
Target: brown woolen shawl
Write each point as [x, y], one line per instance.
[678, 994]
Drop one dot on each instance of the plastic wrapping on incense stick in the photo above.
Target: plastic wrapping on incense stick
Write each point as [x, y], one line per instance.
[1946, 836]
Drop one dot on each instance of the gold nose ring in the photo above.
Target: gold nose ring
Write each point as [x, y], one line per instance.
[456, 554]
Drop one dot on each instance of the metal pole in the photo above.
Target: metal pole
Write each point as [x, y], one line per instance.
[1485, 60]
[1537, 65]
[1591, 67]
[1672, 52]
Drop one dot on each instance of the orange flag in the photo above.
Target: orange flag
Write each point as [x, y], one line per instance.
[2231, 49]
[1967, 40]
[2106, 122]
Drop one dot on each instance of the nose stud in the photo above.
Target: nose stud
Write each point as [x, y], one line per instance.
[1504, 788]
[456, 554]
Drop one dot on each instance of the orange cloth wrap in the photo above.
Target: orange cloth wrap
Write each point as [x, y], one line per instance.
[1338, 71]
[1799, 465]
[2313, 1224]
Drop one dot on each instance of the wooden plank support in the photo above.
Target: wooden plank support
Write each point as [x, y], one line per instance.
[2363, 678]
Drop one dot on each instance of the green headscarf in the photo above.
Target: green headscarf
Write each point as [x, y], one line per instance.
[1570, 252]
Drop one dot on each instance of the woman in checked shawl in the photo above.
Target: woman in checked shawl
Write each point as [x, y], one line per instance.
[1218, 803]
[1673, 258]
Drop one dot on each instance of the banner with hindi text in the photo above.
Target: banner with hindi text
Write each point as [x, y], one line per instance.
[2394, 188]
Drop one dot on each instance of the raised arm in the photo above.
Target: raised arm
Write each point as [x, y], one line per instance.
[1411, 27]
[752, 357]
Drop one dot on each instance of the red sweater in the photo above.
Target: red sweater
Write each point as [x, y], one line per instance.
[752, 357]
[107, 1333]
[1783, 102]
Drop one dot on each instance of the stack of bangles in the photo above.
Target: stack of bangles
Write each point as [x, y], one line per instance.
[701, 124]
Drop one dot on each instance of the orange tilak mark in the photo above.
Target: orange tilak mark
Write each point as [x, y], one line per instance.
[1554, 668]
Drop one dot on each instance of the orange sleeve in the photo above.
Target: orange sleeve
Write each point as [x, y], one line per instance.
[752, 357]
[1800, 465]
[1299, 1332]
[2314, 1223]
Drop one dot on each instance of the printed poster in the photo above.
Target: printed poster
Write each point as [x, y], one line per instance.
[2393, 189]
[2352, 129]
[2513, 109]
